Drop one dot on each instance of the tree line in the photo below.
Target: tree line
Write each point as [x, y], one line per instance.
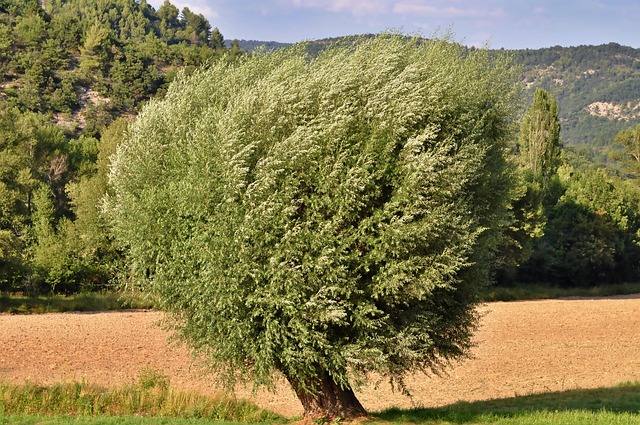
[573, 224]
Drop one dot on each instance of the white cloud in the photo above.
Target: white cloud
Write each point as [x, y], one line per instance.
[428, 8]
[421, 8]
[355, 7]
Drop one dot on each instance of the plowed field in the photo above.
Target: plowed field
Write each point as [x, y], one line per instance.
[522, 348]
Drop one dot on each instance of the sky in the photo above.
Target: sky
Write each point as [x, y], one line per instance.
[509, 24]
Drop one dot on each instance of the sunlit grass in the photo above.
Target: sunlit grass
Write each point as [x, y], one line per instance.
[152, 396]
[616, 405]
[107, 420]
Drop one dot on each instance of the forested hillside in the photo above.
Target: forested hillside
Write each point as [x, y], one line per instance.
[597, 89]
[71, 73]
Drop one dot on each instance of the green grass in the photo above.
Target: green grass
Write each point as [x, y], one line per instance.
[90, 301]
[150, 397]
[153, 402]
[617, 405]
[105, 420]
[520, 292]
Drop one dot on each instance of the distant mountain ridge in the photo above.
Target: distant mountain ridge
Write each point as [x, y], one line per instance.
[597, 87]
[251, 45]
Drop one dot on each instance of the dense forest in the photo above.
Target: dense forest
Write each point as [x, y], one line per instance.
[74, 73]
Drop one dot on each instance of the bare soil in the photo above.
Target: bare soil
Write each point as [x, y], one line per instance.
[522, 348]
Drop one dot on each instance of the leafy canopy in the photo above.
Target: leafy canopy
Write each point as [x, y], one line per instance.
[334, 215]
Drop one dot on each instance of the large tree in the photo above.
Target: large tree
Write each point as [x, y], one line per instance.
[320, 218]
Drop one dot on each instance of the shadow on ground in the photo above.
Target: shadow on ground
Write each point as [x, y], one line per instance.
[624, 398]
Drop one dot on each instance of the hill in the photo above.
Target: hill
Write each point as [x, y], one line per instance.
[86, 62]
[597, 89]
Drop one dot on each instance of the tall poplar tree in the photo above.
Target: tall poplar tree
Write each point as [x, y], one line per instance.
[320, 219]
[539, 140]
[537, 161]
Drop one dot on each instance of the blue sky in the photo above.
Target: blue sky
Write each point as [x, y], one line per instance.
[512, 24]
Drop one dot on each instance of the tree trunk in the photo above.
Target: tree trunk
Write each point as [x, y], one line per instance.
[326, 399]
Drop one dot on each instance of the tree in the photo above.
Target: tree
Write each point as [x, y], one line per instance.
[95, 52]
[591, 234]
[539, 140]
[630, 140]
[536, 162]
[526, 224]
[217, 40]
[196, 27]
[31, 29]
[93, 245]
[324, 219]
[235, 51]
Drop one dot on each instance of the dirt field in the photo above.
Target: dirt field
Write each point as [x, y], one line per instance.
[522, 348]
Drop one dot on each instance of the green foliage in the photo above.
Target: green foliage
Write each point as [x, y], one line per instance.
[88, 233]
[580, 78]
[335, 215]
[12, 269]
[217, 40]
[59, 50]
[630, 141]
[526, 223]
[87, 301]
[68, 70]
[53, 264]
[545, 291]
[579, 228]
[591, 234]
[536, 159]
[31, 156]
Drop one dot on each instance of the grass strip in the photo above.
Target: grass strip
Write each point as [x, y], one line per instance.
[151, 397]
[153, 402]
[610, 405]
[106, 420]
[89, 301]
[520, 292]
